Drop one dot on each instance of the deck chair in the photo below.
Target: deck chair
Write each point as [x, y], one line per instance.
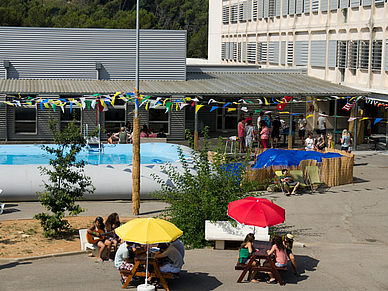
[313, 177]
[297, 175]
[278, 175]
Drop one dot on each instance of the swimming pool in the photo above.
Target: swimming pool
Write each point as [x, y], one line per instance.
[111, 171]
[151, 153]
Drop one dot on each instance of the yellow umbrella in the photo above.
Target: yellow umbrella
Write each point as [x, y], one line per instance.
[148, 231]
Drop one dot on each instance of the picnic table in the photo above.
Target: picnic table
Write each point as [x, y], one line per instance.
[376, 139]
[262, 247]
[139, 270]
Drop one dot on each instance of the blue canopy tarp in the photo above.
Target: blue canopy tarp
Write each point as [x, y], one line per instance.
[276, 157]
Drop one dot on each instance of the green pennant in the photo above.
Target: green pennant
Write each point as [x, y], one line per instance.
[168, 104]
[54, 106]
[336, 116]
[96, 95]
[88, 103]
[249, 101]
[258, 110]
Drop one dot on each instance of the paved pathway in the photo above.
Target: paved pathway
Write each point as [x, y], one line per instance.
[344, 229]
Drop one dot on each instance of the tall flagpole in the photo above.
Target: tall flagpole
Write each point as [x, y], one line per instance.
[136, 128]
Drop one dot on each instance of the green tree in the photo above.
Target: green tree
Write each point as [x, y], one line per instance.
[202, 191]
[67, 182]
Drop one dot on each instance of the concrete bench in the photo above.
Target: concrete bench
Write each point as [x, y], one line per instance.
[222, 231]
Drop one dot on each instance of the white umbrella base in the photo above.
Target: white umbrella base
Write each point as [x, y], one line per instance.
[145, 287]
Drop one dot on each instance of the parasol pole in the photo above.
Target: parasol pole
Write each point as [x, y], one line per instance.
[146, 281]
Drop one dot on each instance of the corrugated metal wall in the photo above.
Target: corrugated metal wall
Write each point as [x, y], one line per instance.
[72, 53]
[318, 53]
[3, 119]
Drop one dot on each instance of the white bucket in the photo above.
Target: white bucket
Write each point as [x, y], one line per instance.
[145, 287]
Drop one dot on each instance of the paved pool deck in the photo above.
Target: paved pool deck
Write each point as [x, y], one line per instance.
[344, 230]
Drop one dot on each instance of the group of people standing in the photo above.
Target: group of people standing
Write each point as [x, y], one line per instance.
[267, 129]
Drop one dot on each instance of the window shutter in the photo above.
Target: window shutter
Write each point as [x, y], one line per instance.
[353, 54]
[266, 8]
[344, 3]
[306, 8]
[285, 8]
[333, 4]
[223, 51]
[251, 52]
[243, 11]
[254, 10]
[244, 52]
[290, 53]
[260, 13]
[318, 53]
[386, 55]
[235, 51]
[301, 53]
[324, 5]
[341, 54]
[366, 2]
[273, 52]
[277, 7]
[355, 3]
[234, 13]
[377, 52]
[363, 62]
[283, 53]
[299, 6]
[332, 54]
[264, 52]
[315, 6]
[225, 14]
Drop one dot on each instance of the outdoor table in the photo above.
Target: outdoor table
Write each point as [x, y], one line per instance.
[262, 247]
[376, 139]
[140, 261]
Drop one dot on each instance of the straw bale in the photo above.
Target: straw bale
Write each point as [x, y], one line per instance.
[346, 170]
[330, 171]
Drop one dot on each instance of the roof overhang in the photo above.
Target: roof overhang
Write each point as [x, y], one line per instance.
[249, 83]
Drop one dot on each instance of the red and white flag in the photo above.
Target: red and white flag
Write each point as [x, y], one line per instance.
[348, 106]
[284, 102]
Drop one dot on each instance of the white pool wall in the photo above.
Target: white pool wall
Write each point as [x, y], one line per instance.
[113, 181]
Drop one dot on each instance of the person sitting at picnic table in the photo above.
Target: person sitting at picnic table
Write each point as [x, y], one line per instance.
[288, 241]
[279, 250]
[288, 181]
[122, 258]
[94, 230]
[171, 258]
[245, 251]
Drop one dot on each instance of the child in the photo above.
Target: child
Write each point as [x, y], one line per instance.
[330, 141]
[103, 243]
[281, 259]
[264, 133]
[249, 134]
[245, 251]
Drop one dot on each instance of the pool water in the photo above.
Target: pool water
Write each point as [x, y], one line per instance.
[151, 153]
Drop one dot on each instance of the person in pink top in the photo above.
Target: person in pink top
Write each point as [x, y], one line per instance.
[281, 259]
[264, 133]
[241, 135]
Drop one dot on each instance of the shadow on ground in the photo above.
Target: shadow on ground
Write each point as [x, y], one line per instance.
[196, 280]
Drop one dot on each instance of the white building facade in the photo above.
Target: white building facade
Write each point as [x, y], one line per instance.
[341, 41]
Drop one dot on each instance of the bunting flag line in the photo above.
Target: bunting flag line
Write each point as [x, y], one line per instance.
[348, 106]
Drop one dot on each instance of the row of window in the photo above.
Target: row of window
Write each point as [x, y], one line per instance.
[26, 118]
[352, 54]
[256, 9]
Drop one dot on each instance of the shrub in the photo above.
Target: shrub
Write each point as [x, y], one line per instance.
[67, 182]
[202, 191]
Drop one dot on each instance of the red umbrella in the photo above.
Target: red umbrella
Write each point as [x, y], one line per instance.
[256, 212]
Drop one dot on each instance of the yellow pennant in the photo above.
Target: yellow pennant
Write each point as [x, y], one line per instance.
[46, 105]
[232, 109]
[284, 112]
[308, 116]
[148, 103]
[197, 107]
[266, 101]
[9, 103]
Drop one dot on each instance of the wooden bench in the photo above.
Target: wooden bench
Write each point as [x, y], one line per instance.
[240, 267]
[222, 231]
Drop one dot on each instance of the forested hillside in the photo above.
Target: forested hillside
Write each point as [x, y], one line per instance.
[190, 15]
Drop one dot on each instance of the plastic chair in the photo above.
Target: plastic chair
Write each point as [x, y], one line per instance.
[297, 175]
[278, 175]
[313, 177]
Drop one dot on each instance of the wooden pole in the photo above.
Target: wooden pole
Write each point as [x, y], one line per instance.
[136, 125]
[136, 163]
[195, 127]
